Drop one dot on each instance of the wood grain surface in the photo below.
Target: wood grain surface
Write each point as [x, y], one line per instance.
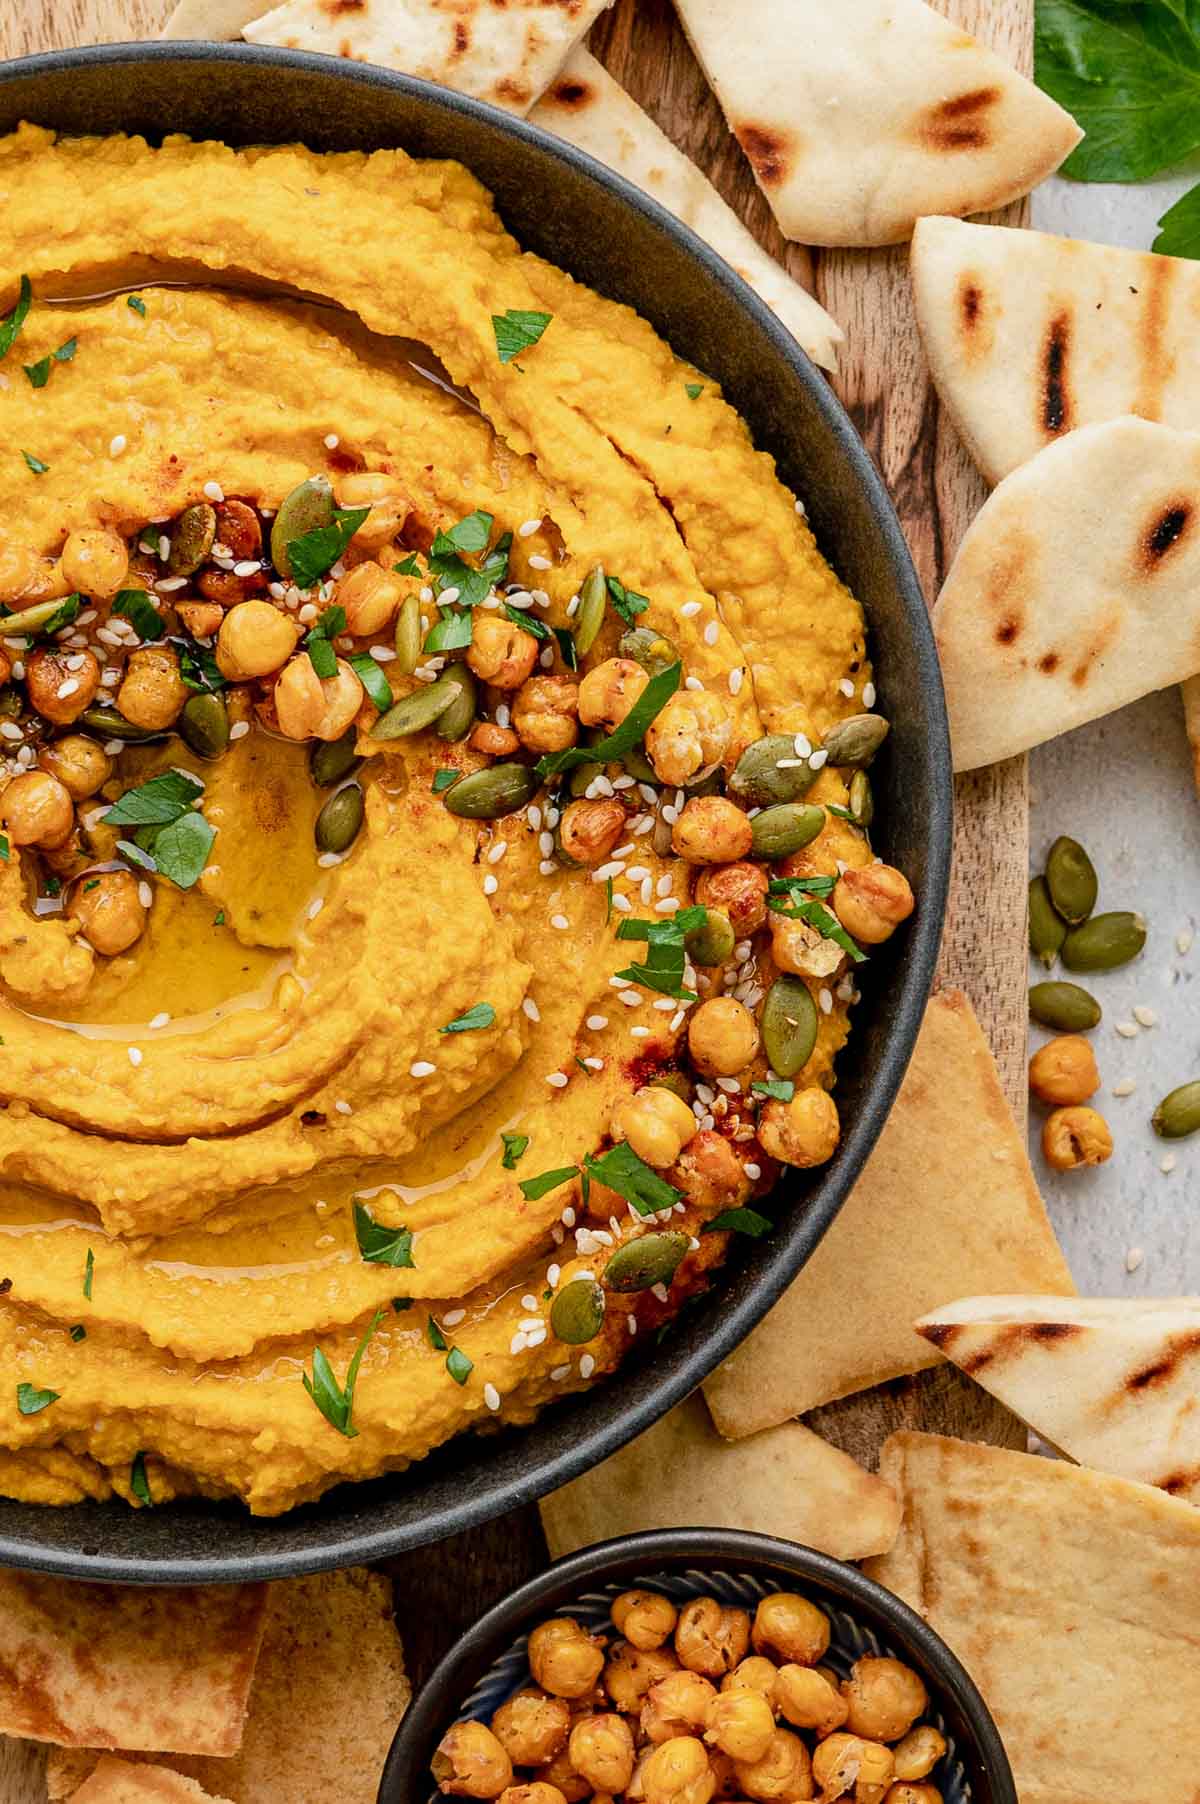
[885, 386]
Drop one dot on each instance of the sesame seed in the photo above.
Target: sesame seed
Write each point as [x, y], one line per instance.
[846, 686]
[620, 983]
[453, 1317]
[167, 585]
[327, 860]
[315, 907]
[801, 509]
[667, 906]
[640, 1033]
[753, 1171]
[75, 662]
[693, 682]
[560, 921]
[214, 491]
[594, 1064]
[449, 595]
[789, 763]
[117, 445]
[530, 1007]
[596, 1023]
[690, 608]
[490, 884]
[331, 441]
[10, 729]
[676, 1021]
[135, 1055]
[622, 904]
[239, 729]
[547, 867]
[712, 633]
[343, 1108]
[631, 998]
[818, 759]
[603, 872]
[1126, 1087]
[557, 1080]
[382, 654]
[527, 528]
[68, 688]
[503, 717]
[145, 894]
[1128, 1030]
[868, 695]
[826, 1001]
[631, 1323]
[159, 1020]
[538, 562]
[803, 746]
[664, 1004]
[530, 1323]
[1144, 1016]
[496, 852]
[491, 1396]
[1134, 1258]
[735, 681]
[558, 1373]
[623, 851]
[421, 1068]
[587, 1366]
[568, 1220]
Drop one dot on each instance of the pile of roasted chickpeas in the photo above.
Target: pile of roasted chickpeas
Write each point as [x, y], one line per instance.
[698, 1703]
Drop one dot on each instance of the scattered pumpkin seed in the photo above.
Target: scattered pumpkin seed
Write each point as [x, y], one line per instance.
[111, 725]
[676, 1082]
[413, 713]
[487, 795]
[337, 825]
[713, 941]
[1066, 1007]
[1047, 929]
[577, 1312]
[458, 719]
[329, 760]
[650, 1259]
[408, 635]
[784, 829]
[1071, 881]
[204, 725]
[769, 771]
[856, 739]
[653, 651]
[1178, 1114]
[593, 601]
[582, 777]
[309, 506]
[192, 540]
[30, 620]
[1105, 942]
[862, 800]
[789, 1025]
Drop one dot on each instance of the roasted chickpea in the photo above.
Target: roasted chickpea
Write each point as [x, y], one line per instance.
[884, 1698]
[629, 1672]
[808, 1700]
[677, 1705]
[803, 1132]
[37, 810]
[678, 1772]
[386, 499]
[560, 1774]
[710, 1174]
[370, 596]
[783, 1771]
[722, 1037]
[545, 713]
[601, 1749]
[532, 1728]
[799, 948]
[80, 764]
[739, 890]
[222, 589]
[152, 692]
[690, 734]
[95, 561]
[658, 1125]
[919, 1752]
[607, 693]
[238, 528]
[1064, 1071]
[789, 1628]
[20, 567]
[711, 830]
[741, 1724]
[536, 1793]
[563, 1658]
[711, 1638]
[109, 909]
[588, 831]
[493, 741]
[311, 707]
[470, 1763]
[842, 1763]
[1072, 1138]
[905, 1792]
[755, 1673]
[644, 1617]
[872, 901]
[60, 682]
[501, 652]
[201, 618]
[255, 638]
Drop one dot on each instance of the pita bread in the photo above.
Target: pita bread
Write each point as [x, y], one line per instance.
[1075, 591]
[1073, 1599]
[118, 1782]
[858, 118]
[1114, 1383]
[1029, 336]
[589, 109]
[118, 1667]
[680, 1473]
[217, 20]
[1191, 720]
[974, 1218]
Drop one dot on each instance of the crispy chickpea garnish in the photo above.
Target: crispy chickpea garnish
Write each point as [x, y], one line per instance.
[601, 1751]
[255, 638]
[658, 1125]
[493, 741]
[643, 1617]
[690, 734]
[470, 1763]
[741, 1724]
[501, 652]
[788, 1627]
[738, 890]
[37, 810]
[711, 830]
[545, 713]
[677, 1705]
[96, 562]
[607, 693]
[711, 1638]
[1073, 1138]
[919, 1752]
[532, 1727]
[109, 909]
[710, 1174]
[808, 1700]
[80, 764]
[722, 1037]
[629, 1672]
[588, 830]
[804, 1131]
[152, 693]
[783, 1771]
[884, 1698]
[872, 901]
[1064, 1071]
[61, 682]
[563, 1658]
[678, 1772]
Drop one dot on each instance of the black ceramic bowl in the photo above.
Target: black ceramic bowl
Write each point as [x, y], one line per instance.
[571, 210]
[489, 1663]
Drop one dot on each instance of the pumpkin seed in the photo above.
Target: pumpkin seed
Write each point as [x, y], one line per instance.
[329, 760]
[769, 771]
[577, 1312]
[1178, 1114]
[648, 1260]
[487, 795]
[309, 506]
[653, 651]
[193, 538]
[713, 941]
[1047, 929]
[856, 739]
[1105, 942]
[1071, 881]
[789, 1025]
[862, 800]
[459, 717]
[582, 777]
[676, 1083]
[413, 713]
[408, 635]
[785, 828]
[204, 725]
[636, 765]
[1066, 1007]
[337, 825]
[111, 725]
[593, 600]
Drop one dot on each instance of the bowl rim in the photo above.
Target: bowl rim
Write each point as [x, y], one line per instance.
[630, 1556]
[610, 1423]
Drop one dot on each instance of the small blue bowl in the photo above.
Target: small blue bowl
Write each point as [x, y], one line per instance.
[489, 1664]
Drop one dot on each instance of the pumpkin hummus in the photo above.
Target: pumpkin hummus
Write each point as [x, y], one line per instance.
[295, 1131]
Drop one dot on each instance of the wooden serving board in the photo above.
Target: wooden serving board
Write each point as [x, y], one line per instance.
[884, 384]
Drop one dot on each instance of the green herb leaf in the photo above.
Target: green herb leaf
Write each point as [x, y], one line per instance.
[1179, 227]
[12, 322]
[802, 891]
[458, 1365]
[515, 1145]
[622, 1170]
[35, 463]
[437, 1339]
[481, 1014]
[136, 855]
[608, 901]
[64, 614]
[694, 390]
[627, 602]
[218, 919]
[89, 1272]
[408, 566]
[632, 730]
[181, 850]
[780, 1089]
[78, 1332]
[836, 809]
[140, 611]
[370, 675]
[31, 1401]
[443, 779]
[666, 952]
[335, 1401]
[451, 571]
[157, 802]
[39, 372]
[139, 1484]
[4, 847]
[534, 1188]
[802, 886]
[317, 642]
[517, 331]
[137, 303]
[739, 1221]
[313, 553]
[401, 1305]
[380, 1245]
[528, 623]
[471, 534]
[567, 646]
[451, 631]
[198, 666]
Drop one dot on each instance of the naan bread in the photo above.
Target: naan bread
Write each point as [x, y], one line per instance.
[1075, 591]
[860, 117]
[974, 1220]
[119, 1782]
[1073, 1600]
[680, 1473]
[592, 111]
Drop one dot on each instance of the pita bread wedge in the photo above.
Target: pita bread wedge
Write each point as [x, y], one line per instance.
[680, 1473]
[589, 109]
[1075, 591]
[1072, 1598]
[117, 1667]
[975, 1213]
[1113, 1382]
[858, 118]
[217, 20]
[118, 1782]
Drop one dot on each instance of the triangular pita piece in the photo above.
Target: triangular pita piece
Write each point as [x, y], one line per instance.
[1029, 336]
[213, 19]
[589, 109]
[1113, 1382]
[120, 1782]
[680, 1473]
[1075, 591]
[976, 1213]
[1073, 1600]
[858, 118]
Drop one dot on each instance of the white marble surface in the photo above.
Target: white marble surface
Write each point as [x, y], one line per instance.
[1123, 787]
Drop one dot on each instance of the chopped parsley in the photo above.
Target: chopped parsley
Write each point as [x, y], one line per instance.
[137, 303]
[480, 1014]
[515, 1146]
[517, 330]
[198, 666]
[39, 372]
[313, 553]
[739, 1221]
[471, 534]
[608, 900]
[666, 951]
[451, 631]
[218, 919]
[380, 1245]
[139, 1484]
[401, 1305]
[12, 322]
[532, 1189]
[136, 854]
[78, 1332]
[31, 1401]
[780, 1089]
[4, 847]
[442, 779]
[458, 1365]
[156, 803]
[181, 850]
[694, 390]
[318, 642]
[336, 1401]
[649, 705]
[141, 613]
[802, 893]
[627, 602]
[568, 647]
[64, 614]
[370, 675]
[89, 1272]
[447, 560]
[528, 623]
[621, 1170]
[53, 886]
[35, 463]
[437, 1339]
[408, 566]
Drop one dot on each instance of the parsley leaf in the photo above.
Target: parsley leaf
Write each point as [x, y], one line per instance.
[139, 1484]
[12, 322]
[567, 646]
[181, 849]
[451, 631]
[446, 562]
[335, 1401]
[408, 566]
[482, 1014]
[78, 1332]
[622, 1171]
[528, 623]
[443, 779]
[458, 1365]
[313, 553]
[380, 1245]
[694, 390]
[608, 900]
[627, 602]
[649, 705]
[35, 463]
[198, 666]
[517, 331]
[370, 675]
[317, 641]
[1179, 227]
[534, 1188]
[666, 952]
[4, 847]
[437, 1339]
[739, 1221]
[137, 303]
[401, 1304]
[471, 534]
[31, 1401]
[515, 1146]
[63, 615]
[156, 803]
[89, 1272]
[780, 1089]
[140, 611]
[39, 372]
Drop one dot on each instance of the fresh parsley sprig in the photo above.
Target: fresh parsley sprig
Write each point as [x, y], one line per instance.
[666, 951]
[631, 732]
[336, 1401]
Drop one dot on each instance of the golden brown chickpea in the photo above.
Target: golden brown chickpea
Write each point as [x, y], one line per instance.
[905, 1792]
[37, 810]
[95, 562]
[803, 1132]
[601, 1750]
[563, 1658]
[1064, 1071]
[470, 1763]
[711, 830]
[677, 1705]
[200, 618]
[872, 901]
[532, 1727]
[255, 639]
[783, 1772]
[20, 567]
[722, 1037]
[493, 741]
[754, 1674]
[658, 1125]
[607, 693]
[562, 1775]
[740, 1723]
[109, 909]
[80, 764]
[799, 948]
[311, 707]
[152, 692]
[370, 595]
[808, 1700]
[645, 1618]
[690, 734]
[710, 1174]
[842, 1763]
[678, 1772]
[238, 528]
[537, 1793]
[386, 499]
[501, 652]
[545, 713]
[224, 590]
[61, 682]
[789, 1628]
[711, 1638]
[1072, 1138]
[884, 1698]
[738, 890]
[919, 1752]
[629, 1672]
[588, 831]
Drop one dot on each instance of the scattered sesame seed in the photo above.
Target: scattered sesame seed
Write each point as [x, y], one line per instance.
[846, 686]
[421, 1068]
[790, 763]
[315, 907]
[693, 682]
[491, 1396]
[496, 852]
[239, 729]
[167, 585]
[327, 860]
[868, 695]
[527, 528]
[248, 566]
[1167, 1163]
[735, 681]
[803, 746]
[1128, 1030]
[1133, 1259]
[1126, 1087]
[558, 1373]
[343, 1108]
[818, 759]
[594, 1064]
[331, 441]
[10, 729]
[640, 1033]
[1145, 1017]
[135, 1055]
[622, 904]
[676, 1021]
[530, 1007]
[490, 884]
[145, 894]
[667, 905]
[68, 688]
[560, 921]
[801, 510]
[159, 1020]
[587, 1366]
[453, 1317]
[538, 562]
[117, 445]
[631, 998]
[613, 868]
[568, 1220]
[690, 609]
[214, 492]
[826, 1000]
[547, 867]
[596, 1023]
[557, 1080]
[753, 1171]
[712, 633]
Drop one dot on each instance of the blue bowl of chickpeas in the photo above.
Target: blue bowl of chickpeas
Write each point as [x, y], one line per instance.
[693, 1666]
